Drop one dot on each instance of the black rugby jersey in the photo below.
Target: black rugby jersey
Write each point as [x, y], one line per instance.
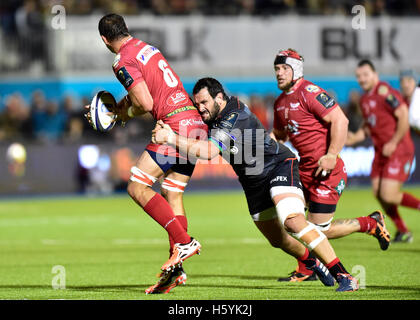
[245, 144]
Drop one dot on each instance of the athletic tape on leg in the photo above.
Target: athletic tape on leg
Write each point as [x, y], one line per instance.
[314, 243]
[325, 226]
[142, 177]
[288, 206]
[173, 185]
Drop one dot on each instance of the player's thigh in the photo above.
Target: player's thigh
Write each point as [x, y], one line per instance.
[148, 165]
[272, 228]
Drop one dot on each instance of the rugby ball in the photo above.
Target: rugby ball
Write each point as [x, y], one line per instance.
[102, 103]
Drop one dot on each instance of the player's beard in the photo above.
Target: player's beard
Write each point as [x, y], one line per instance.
[285, 87]
[212, 114]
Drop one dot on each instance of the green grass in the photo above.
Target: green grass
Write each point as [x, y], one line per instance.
[112, 250]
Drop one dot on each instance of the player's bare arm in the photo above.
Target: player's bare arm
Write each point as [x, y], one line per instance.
[201, 149]
[137, 102]
[279, 135]
[403, 126]
[356, 137]
[338, 134]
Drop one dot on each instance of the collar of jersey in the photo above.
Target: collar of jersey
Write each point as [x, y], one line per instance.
[297, 87]
[230, 105]
[125, 43]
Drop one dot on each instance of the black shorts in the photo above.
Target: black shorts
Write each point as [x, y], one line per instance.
[284, 174]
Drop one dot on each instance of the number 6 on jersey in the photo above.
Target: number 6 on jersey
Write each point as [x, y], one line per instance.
[168, 76]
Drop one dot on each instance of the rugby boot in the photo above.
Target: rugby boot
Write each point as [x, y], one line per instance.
[346, 282]
[323, 274]
[296, 276]
[403, 237]
[168, 280]
[180, 253]
[380, 232]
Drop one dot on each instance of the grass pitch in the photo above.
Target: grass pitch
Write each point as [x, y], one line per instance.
[111, 249]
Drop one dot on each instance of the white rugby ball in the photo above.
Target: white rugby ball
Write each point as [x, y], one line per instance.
[102, 103]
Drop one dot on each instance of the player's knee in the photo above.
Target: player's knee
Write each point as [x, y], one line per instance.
[171, 197]
[292, 222]
[136, 191]
[139, 184]
[288, 210]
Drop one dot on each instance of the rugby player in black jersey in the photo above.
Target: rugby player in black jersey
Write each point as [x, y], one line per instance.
[268, 173]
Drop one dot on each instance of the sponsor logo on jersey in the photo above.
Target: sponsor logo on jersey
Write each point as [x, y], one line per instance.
[312, 88]
[393, 170]
[383, 90]
[324, 99]
[392, 101]
[293, 127]
[190, 122]
[124, 77]
[176, 98]
[229, 121]
[340, 187]
[323, 193]
[372, 103]
[146, 53]
[294, 106]
[372, 120]
[279, 178]
[280, 108]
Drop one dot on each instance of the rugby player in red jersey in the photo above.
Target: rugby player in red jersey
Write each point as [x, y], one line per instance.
[317, 127]
[154, 87]
[386, 121]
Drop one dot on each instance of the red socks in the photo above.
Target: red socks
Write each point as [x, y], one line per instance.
[184, 223]
[302, 266]
[160, 210]
[366, 224]
[410, 201]
[393, 213]
[335, 267]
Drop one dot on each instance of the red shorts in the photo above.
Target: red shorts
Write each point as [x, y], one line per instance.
[325, 190]
[188, 124]
[396, 167]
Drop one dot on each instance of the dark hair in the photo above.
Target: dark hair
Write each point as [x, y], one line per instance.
[112, 27]
[213, 86]
[366, 62]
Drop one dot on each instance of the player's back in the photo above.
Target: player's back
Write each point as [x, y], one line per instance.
[245, 144]
[137, 61]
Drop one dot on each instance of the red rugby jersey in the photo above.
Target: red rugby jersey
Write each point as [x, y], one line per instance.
[137, 61]
[300, 113]
[378, 107]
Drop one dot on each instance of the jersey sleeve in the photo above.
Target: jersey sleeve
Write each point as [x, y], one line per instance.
[222, 135]
[320, 103]
[128, 72]
[394, 99]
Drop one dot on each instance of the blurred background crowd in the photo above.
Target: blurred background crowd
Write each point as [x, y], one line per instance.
[46, 121]
[13, 11]
[48, 75]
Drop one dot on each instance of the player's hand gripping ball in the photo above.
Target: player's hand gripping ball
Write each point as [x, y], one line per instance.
[100, 114]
